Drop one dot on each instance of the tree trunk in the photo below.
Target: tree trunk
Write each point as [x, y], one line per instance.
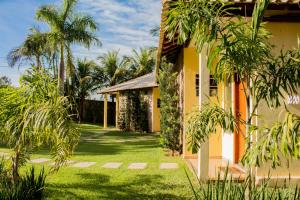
[81, 104]
[38, 62]
[61, 71]
[15, 166]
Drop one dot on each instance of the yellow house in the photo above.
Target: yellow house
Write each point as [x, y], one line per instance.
[148, 86]
[196, 85]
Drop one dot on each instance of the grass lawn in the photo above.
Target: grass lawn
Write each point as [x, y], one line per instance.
[95, 182]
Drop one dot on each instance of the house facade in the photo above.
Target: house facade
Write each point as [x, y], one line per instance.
[148, 88]
[197, 86]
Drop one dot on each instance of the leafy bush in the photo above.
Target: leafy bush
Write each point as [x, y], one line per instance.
[33, 115]
[229, 189]
[133, 112]
[28, 187]
[169, 108]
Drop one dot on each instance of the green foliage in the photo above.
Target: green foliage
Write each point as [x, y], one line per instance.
[4, 81]
[202, 123]
[83, 82]
[226, 187]
[169, 107]
[239, 49]
[279, 77]
[29, 187]
[133, 114]
[141, 62]
[67, 27]
[113, 69]
[34, 115]
[281, 139]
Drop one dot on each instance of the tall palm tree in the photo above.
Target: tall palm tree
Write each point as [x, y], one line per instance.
[142, 62]
[84, 83]
[32, 49]
[113, 69]
[34, 115]
[66, 28]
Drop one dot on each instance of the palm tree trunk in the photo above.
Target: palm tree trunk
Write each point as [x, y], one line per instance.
[81, 104]
[38, 62]
[15, 166]
[61, 71]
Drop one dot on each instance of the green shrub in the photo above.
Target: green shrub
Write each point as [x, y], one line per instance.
[226, 188]
[30, 186]
[169, 109]
[133, 113]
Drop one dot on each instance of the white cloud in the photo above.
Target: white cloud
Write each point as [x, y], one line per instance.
[123, 24]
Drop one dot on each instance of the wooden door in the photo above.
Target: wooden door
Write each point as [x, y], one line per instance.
[240, 113]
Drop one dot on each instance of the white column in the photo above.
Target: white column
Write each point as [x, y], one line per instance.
[227, 136]
[203, 154]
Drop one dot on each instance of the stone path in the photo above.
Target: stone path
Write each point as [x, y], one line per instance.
[69, 162]
[84, 164]
[137, 166]
[39, 160]
[108, 165]
[112, 165]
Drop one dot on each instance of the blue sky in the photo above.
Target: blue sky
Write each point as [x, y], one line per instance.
[124, 24]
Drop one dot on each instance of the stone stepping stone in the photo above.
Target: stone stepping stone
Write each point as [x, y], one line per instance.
[112, 165]
[137, 166]
[39, 160]
[4, 155]
[69, 162]
[84, 164]
[168, 166]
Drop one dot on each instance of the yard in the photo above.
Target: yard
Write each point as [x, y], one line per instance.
[96, 182]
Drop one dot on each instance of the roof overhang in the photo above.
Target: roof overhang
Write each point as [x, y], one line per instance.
[278, 11]
[143, 82]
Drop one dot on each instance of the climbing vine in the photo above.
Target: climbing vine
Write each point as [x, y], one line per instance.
[133, 112]
[169, 110]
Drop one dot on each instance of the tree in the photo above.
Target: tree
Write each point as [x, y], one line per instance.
[169, 107]
[241, 48]
[142, 62]
[33, 48]
[67, 27]
[84, 83]
[34, 115]
[155, 31]
[112, 69]
[4, 81]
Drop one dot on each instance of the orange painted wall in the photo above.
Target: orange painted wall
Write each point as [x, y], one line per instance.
[240, 113]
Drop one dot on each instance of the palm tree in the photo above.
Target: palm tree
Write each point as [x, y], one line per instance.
[4, 81]
[113, 69]
[142, 62]
[33, 48]
[239, 48]
[33, 115]
[84, 83]
[66, 28]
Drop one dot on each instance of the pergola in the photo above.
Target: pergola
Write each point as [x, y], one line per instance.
[143, 82]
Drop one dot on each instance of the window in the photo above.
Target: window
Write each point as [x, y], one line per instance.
[158, 103]
[213, 86]
[197, 85]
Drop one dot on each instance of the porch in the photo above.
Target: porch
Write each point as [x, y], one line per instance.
[217, 168]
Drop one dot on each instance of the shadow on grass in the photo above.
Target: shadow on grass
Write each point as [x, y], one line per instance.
[98, 186]
[112, 143]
